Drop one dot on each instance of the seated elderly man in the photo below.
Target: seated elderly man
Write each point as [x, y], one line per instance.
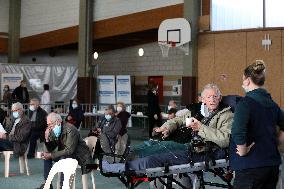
[215, 128]
[64, 141]
[17, 133]
[38, 123]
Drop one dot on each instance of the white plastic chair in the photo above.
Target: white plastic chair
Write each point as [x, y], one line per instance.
[91, 143]
[68, 168]
[23, 162]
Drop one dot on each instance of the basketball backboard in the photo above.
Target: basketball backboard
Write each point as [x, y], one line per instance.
[176, 30]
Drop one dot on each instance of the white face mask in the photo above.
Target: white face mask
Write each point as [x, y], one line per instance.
[74, 105]
[245, 89]
[204, 110]
[169, 107]
[32, 108]
[119, 109]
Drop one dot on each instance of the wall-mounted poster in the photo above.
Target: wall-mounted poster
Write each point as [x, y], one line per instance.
[123, 89]
[106, 89]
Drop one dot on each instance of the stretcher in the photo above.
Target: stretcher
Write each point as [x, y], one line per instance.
[166, 174]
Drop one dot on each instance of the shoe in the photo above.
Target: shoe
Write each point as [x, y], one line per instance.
[42, 186]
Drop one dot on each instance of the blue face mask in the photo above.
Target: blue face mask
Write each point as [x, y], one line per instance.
[57, 130]
[108, 117]
[16, 115]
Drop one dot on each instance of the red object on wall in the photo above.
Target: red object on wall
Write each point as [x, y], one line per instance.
[159, 81]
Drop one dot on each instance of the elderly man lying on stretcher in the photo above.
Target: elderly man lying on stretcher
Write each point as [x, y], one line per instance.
[214, 128]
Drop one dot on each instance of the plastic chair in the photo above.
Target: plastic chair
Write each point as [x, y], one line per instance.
[23, 162]
[91, 143]
[67, 167]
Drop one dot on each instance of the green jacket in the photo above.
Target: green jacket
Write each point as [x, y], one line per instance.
[69, 144]
[218, 131]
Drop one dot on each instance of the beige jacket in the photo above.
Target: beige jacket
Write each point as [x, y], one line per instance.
[218, 131]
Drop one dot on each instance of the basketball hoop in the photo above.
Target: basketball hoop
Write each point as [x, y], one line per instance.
[165, 47]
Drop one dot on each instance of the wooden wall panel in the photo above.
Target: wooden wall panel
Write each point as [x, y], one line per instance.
[282, 70]
[205, 67]
[272, 58]
[230, 60]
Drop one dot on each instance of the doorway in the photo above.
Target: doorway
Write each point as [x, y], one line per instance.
[159, 81]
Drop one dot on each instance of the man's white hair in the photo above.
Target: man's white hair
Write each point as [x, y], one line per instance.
[17, 106]
[211, 86]
[54, 117]
[35, 100]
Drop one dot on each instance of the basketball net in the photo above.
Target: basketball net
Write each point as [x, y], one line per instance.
[165, 48]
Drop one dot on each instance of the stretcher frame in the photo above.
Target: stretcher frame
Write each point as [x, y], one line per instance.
[132, 179]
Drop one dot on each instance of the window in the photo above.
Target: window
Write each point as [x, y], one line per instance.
[274, 14]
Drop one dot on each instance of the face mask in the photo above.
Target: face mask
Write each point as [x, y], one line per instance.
[32, 108]
[204, 110]
[169, 107]
[16, 115]
[5, 89]
[155, 92]
[108, 117]
[74, 105]
[119, 109]
[57, 130]
[245, 89]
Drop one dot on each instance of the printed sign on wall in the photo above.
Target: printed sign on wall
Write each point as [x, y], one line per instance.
[123, 89]
[11, 79]
[106, 89]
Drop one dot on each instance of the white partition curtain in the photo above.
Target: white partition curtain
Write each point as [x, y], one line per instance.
[62, 79]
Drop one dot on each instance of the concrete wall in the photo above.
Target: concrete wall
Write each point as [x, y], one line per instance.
[3, 58]
[4, 16]
[43, 57]
[38, 16]
[112, 8]
[126, 61]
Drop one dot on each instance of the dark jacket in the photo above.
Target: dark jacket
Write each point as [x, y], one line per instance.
[70, 143]
[2, 116]
[21, 136]
[111, 129]
[123, 117]
[256, 117]
[77, 115]
[153, 104]
[18, 94]
[39, 125]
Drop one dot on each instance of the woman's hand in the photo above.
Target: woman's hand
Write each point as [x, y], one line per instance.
[243, 150]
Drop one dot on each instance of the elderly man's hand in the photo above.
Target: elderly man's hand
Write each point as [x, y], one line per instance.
[243, 150]
[195, 125]
[166, 133]
[46, 134]
[46, 156]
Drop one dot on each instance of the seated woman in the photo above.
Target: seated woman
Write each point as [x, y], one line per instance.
[107, 131]
[215, 128]
[123, 115]
[76, 114]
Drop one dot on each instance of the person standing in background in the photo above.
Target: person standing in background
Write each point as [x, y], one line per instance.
[7, 96]
[45, 99]
[154, 111]
[76, 113]
[21, 94]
